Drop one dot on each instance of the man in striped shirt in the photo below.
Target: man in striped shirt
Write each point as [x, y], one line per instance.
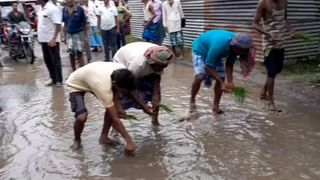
[274, 15]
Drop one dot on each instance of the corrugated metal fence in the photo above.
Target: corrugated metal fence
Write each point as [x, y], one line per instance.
[237, 15]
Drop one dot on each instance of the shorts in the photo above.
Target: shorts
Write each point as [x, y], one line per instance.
[77, 103]
[274, 62]
[176, 38]
[75, 43]
[200, 68]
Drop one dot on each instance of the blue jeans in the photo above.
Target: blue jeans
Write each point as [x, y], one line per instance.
[109, 39]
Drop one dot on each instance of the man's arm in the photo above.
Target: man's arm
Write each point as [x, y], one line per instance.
[52, 42]
[229, 74]
[115, 13]
[153, 15]
[145, 108]
[56, 15]
[117, 24]
[180, 9]
[99, 22]
[118, 125]
[128, 14]
[84, 20]
[98, 14]
[229, 69]
[164, 16]
[117, 104]
[156, 97]
[288, 25]
[259, 15]
[9, 17]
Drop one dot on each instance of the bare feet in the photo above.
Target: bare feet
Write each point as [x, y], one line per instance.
[130, 150]
[217, 111]
[265, 97]
[76, 145]
[193, 108]
[273, 108]
[107, 141]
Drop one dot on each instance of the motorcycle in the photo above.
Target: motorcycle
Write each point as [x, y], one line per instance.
[18, 41]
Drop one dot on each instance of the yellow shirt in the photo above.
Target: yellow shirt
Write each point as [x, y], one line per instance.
[96, 78]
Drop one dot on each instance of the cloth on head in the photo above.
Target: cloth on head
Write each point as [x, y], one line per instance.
[159, 55]
[242, 40]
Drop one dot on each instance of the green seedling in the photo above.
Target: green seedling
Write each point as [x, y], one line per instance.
[306, 38]
[131, 117]
[162, 107]
[166, 108]
[240, 94]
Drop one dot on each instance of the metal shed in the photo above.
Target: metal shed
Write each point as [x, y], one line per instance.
[237, 15]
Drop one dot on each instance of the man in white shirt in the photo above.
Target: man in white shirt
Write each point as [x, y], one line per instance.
[146, 61]
[172, 15]
[104, 80]
[109, 27]
[49, 26]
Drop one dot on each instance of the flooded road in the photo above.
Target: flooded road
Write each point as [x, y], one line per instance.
[248, 142]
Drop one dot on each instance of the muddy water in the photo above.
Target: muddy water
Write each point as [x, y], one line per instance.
[247, 142]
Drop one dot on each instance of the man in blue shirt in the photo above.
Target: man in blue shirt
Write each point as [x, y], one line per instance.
[208, 53]
[75, 22]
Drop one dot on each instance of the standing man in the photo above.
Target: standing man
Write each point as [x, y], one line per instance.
[95, 37]
[208, 53]
[15, 16]
[172, 15]
[75, 22]
[104, 80]
[146, 61]
[109, 27]
[274, 15]
[49, 26]
[123, 17]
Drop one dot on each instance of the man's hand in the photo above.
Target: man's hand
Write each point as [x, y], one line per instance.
[156, 102]
[130, 149]
[225, 88]
[52, 43]
[122, 114]
[118, 30]
[276, 38]
[86, 40]
[293, 34]
[166, 29]
[148, 110]
[230, 85]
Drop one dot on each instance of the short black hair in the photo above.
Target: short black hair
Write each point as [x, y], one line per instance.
[124, 79]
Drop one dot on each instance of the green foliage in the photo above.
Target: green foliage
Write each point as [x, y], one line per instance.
[306, 38]
[162, 107]
[240, 94]
[131, 39]
[166, 108]
[131, 117]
